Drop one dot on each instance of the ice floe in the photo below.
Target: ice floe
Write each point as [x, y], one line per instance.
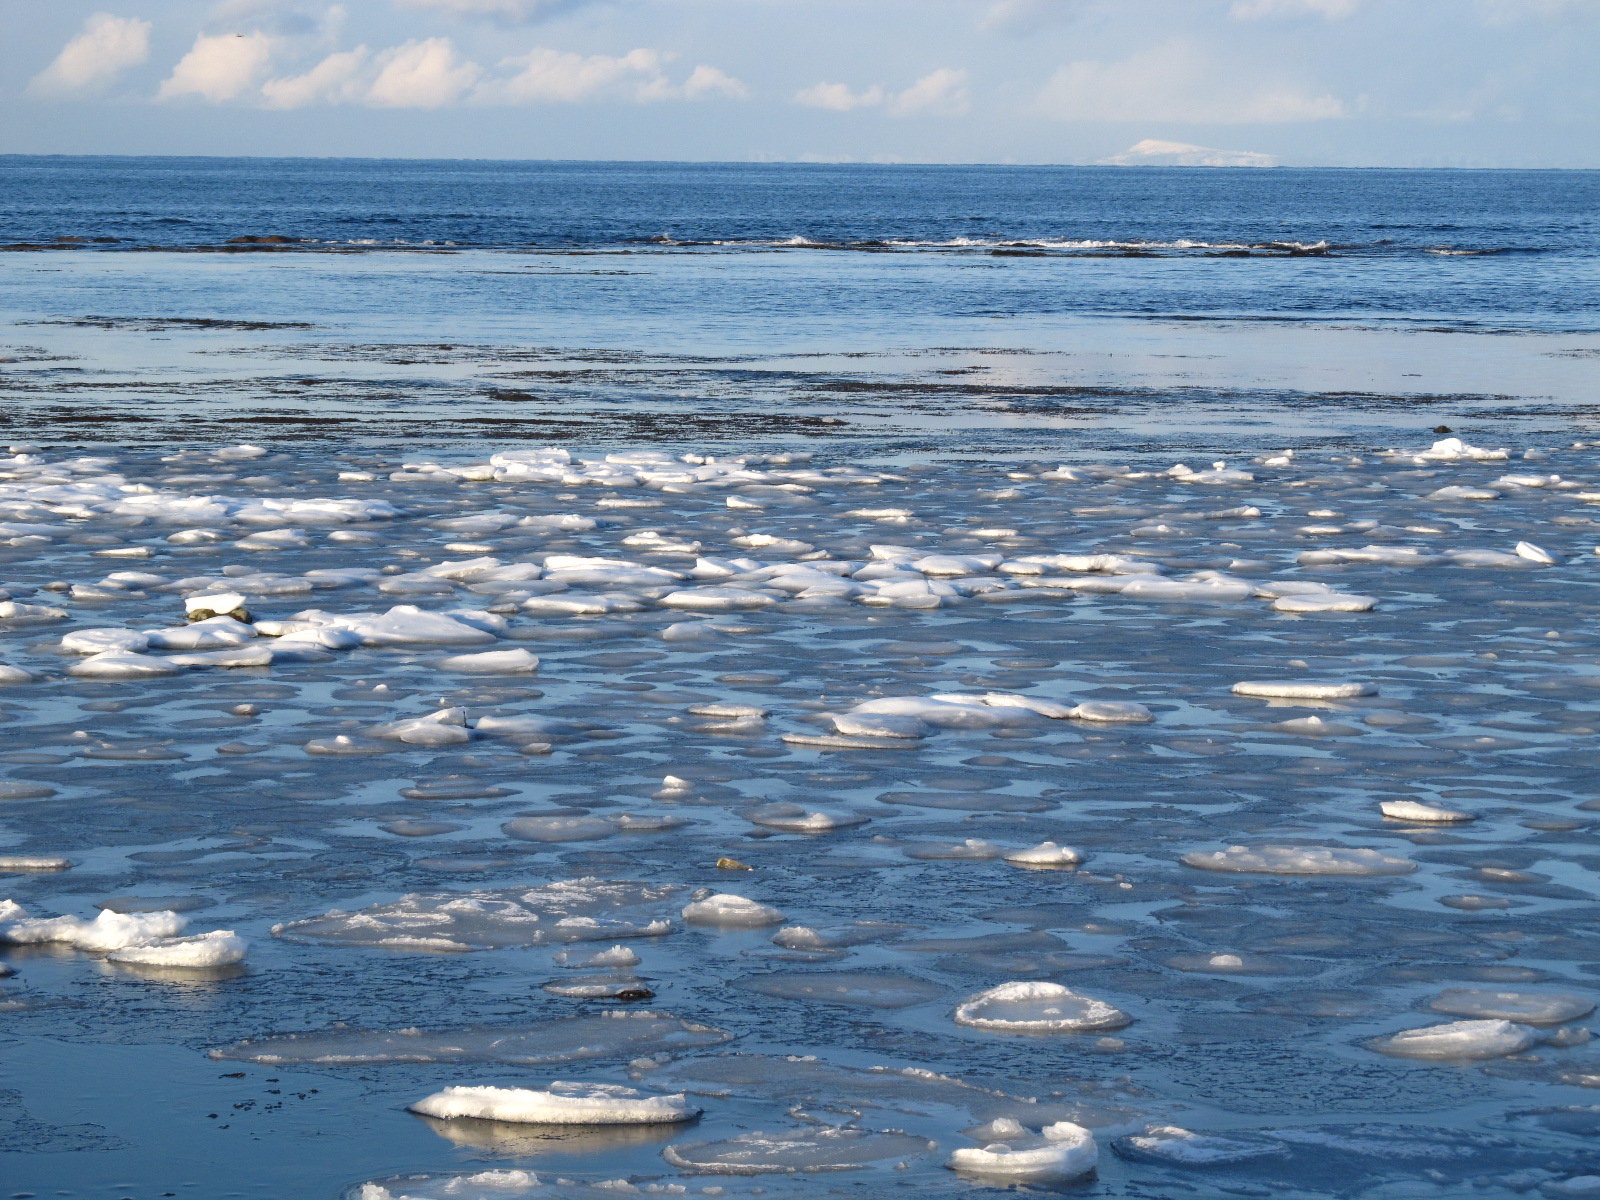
[1038, 1007]
[796, 1151]
[1062, 1151]
[1460, 1040]
[612, 1034]
[575, 910]
[1299, 860]
[559, 1104]
[728, 911]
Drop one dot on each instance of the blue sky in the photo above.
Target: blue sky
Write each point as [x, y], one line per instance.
[1334, 82]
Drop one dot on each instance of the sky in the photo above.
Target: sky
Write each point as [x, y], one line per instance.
[1465, 83]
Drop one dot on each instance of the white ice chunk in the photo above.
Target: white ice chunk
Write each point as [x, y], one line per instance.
[562, 1104]
[1037, 1007]
[1111, 712]
[98, 641]
[493, 662]
[1415, 810]
[1453, 449]
[1065, 1151]
[1301, 689]
[1460, 1040]
[1324, 602]
[214, 602]
[727, 911]
[1299, 860]
[116, 664]
[108, 931]
[1045, 854]
[219, 948]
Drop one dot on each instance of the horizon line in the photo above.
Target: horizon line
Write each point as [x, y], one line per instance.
[785, 162]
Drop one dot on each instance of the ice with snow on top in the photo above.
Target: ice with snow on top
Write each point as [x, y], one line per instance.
[1315, 602]
[121, 664]
[1299, 860]
[106, 932]
[1415, 810]
[1453, 449]
[1460, 1040]
[569, 910]
[408, 625]
[25, 864]
[728, 911]
[796, 818]
[1063, 1151]
[990, 710]
[561, 1104]
[1301, 689]
[1045, 854]
[616, 956]
[1111, 712]
[1034, 1006]
[493, 662]
[219, 948]
[216, 603]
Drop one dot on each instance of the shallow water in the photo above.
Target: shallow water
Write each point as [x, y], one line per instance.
[775, 596]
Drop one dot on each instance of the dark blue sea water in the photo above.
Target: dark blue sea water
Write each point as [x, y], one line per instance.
[1388, 242]
[916, 308]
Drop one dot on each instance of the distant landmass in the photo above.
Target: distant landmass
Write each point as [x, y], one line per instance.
[1154, 152]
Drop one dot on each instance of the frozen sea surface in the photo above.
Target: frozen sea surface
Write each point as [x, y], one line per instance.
[882, 808]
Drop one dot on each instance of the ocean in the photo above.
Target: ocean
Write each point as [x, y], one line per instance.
[581, 680]
[906, 307]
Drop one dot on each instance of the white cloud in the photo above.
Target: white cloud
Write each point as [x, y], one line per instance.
[507, 12]
[336, 79]
[220, 67]
[1155, 152]
[422, 74]
[706, 81]
[107, 46]
[938, 93]
[1254, 10]
[1030, 16]
[942, 92]
[545, 76]
[1172, 82]
[838, 97]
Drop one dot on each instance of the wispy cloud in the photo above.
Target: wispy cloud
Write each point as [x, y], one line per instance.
[506, 12]
[1175, 83]
[942, 92]
[1255, 10]
[432, 73]
[94, 59]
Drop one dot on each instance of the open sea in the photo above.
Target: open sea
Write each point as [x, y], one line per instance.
[595, 680]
